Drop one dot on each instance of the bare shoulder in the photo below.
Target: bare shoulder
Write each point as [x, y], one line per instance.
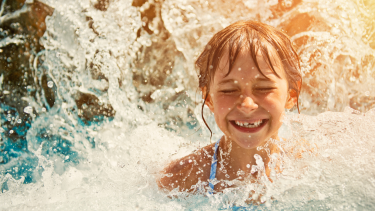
[186, 172]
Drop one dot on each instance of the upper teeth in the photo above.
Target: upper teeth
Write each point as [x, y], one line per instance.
[249, 125]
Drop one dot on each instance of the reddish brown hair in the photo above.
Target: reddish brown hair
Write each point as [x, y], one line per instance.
[254, 37]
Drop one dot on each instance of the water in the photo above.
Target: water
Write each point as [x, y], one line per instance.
[101, 95]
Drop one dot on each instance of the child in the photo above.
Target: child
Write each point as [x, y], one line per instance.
[249, 74]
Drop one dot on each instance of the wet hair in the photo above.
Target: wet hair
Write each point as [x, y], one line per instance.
[254, 37]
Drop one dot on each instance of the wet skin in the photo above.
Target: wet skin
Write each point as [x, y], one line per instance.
[248, 108]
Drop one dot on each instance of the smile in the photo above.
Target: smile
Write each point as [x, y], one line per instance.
[249, 126]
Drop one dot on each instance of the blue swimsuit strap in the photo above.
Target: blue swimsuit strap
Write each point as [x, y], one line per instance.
[213, 169]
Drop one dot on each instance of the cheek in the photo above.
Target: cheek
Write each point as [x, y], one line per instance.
[220, 119]
[272, 102]
[277, 99]
[223, 104]
[276, 106]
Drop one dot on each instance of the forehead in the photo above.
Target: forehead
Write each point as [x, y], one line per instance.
[245, 61]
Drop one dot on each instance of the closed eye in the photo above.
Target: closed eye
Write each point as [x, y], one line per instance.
[265, 89]
[228, 91]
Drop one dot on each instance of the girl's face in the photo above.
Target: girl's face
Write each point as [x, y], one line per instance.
[249, 107]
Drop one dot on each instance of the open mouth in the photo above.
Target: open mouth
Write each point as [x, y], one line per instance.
[249, 127]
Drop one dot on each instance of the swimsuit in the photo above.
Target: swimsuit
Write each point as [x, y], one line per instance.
[213, 169]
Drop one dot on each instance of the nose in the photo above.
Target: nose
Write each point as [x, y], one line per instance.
[247, 105]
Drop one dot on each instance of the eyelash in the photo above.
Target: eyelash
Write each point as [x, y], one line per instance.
[228, 91]
[267, 89]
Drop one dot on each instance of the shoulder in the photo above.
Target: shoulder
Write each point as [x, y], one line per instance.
[186, 172]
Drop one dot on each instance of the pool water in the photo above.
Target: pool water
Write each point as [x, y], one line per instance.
[97, 96]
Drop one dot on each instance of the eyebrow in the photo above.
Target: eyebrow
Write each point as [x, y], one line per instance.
[225, 81]
[260, 78]
[263, 79]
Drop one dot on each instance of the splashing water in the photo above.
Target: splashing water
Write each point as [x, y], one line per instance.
[106, 97]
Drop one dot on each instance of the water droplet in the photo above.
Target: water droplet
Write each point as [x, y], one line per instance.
[50, 84]
[181, 163]
[287, 3]
[28, 109]
[263, 199]
[253, 169]
[239, 69]
[235, 82]
[11, 132]
[248, 166]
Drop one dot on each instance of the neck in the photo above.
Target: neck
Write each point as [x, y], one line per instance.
[241, 159]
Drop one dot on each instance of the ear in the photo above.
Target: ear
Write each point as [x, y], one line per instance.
[209, 101]
[291, 100]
